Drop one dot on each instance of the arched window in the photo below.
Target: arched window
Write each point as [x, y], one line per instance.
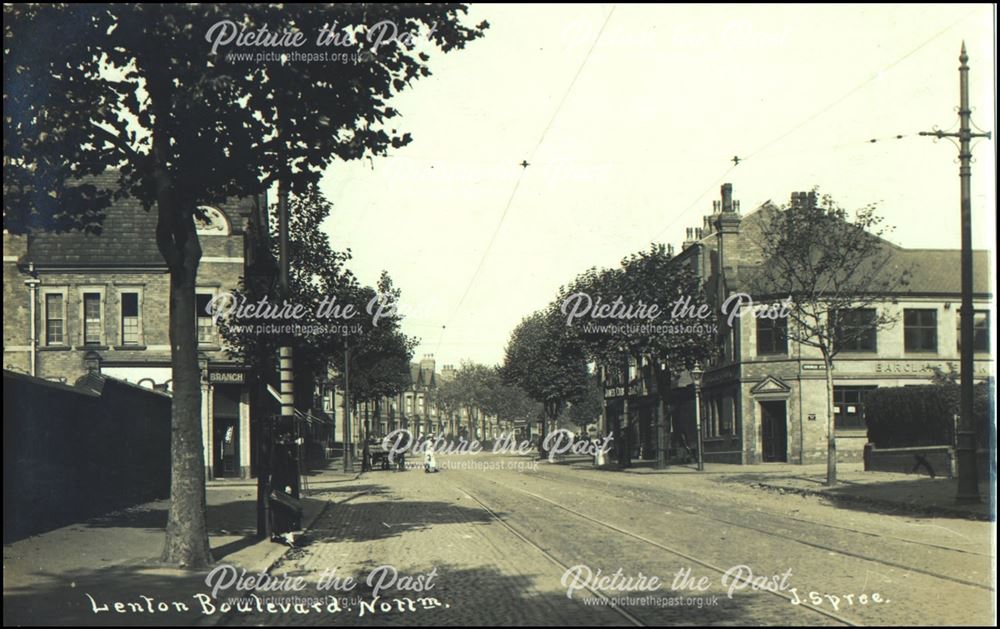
[212, 222]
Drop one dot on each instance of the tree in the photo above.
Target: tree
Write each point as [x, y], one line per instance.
[635, 332]
[584, 411]
[138, 88]
[316, 272]
[380, 364]
[835, 275]
[469, 390]
[549, 365]
[508, 403]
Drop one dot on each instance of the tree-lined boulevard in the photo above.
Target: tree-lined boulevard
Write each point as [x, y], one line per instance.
[762, 426]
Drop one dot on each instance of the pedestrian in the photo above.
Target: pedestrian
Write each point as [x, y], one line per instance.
[430, 465]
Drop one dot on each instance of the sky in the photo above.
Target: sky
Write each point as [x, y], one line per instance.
[629, 117]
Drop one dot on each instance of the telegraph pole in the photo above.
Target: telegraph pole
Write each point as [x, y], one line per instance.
[968, 482]
[285, 358]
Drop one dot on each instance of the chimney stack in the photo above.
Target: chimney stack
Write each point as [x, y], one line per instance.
[689, 240]
[727, 197]
[804, 199]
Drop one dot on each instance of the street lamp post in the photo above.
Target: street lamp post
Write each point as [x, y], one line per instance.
[968, 483]
[661, 419]
[696, 373]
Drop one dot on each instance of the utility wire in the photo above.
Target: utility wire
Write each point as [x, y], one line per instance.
[520, 177]
[858, 87]
[831, 105]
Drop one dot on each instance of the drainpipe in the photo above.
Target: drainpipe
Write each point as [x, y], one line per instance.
[32, 284]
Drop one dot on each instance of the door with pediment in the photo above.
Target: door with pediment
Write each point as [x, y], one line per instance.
[774, 431]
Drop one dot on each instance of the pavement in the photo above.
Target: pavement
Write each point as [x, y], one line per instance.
[67, 575]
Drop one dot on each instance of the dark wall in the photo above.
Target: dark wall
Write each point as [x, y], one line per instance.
[71, 453]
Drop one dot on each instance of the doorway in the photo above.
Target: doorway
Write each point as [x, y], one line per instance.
[226, 430]
[774, 431]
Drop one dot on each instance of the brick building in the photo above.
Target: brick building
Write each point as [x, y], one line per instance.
[766, 399]
[76, 304]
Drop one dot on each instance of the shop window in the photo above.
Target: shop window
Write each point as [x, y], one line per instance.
[727, 418]
[849, 407]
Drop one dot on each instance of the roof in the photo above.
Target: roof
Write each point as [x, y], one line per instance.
[13, 375]
[128, 236]
[931, 271]
[939, 271]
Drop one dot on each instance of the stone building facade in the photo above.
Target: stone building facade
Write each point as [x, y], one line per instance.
[76, 304]
[765, 399]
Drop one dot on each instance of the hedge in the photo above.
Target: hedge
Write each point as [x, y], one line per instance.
[904, 417]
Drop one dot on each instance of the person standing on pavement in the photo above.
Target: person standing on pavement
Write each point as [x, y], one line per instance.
[430, 464]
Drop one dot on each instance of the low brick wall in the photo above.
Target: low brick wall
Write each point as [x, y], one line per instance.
[75, 452]
[926, 460]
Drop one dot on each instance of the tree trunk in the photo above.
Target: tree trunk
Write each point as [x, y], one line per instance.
[186, 542]
[187, 532]
[831, 439]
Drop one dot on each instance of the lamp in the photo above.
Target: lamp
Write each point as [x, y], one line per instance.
[696, 374]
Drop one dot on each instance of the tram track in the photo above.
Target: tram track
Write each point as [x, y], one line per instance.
[632, 618]
[828, 548]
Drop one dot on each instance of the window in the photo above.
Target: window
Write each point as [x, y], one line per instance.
[849, 407]
[91, 318]
[727, 422]
[130, 318]
[772, 336]
[206, 327]
[920, 330]
[707, 417]
[855, 330]
[55, 320]
[980, 330]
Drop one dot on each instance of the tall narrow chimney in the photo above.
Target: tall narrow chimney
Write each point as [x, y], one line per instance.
[727, 197]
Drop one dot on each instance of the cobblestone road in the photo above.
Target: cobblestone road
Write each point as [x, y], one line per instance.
[500, 538]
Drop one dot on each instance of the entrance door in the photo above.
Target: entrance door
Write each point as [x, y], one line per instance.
[774, 431]
[226, 446]
[226, 430]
